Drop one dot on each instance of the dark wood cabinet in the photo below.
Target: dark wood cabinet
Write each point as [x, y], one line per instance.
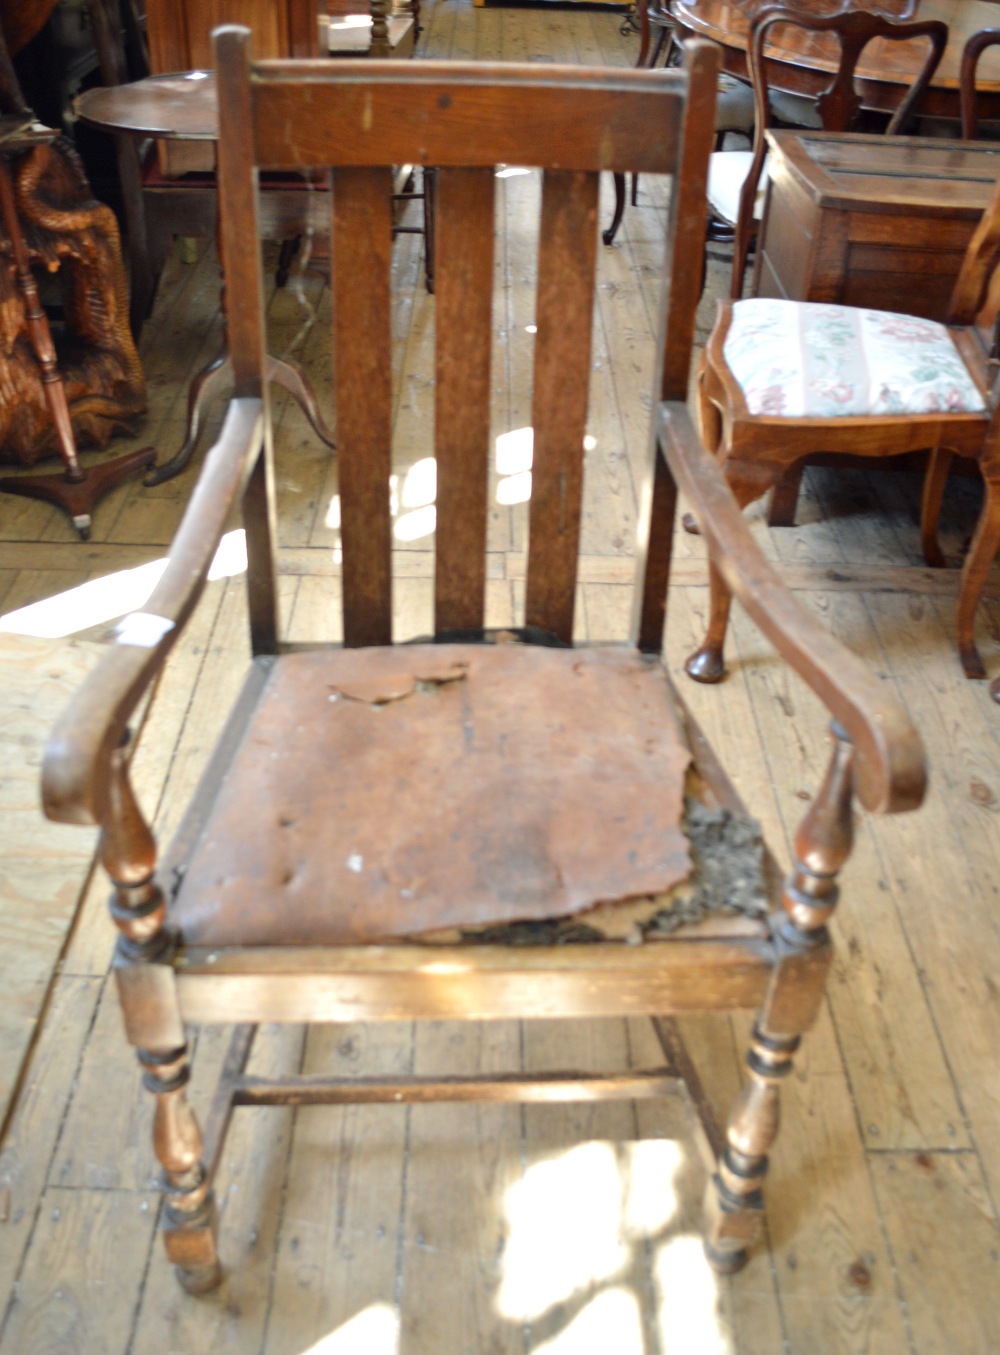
[870, 220]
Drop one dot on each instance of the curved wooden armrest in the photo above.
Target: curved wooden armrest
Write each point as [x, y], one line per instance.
[75, 766]
[890, 773]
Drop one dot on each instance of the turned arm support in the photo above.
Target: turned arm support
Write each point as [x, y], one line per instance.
[76, 768]
[889, 773]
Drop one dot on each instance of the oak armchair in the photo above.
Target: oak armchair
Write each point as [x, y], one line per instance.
[380, 822]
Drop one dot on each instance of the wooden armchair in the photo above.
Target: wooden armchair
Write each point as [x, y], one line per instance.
[737, 179]
[380, 822]
[780, 379]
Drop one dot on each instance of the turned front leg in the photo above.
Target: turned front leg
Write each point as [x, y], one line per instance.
[152, 1020]
[735, 1204]
[823, 843]
[190, 1215]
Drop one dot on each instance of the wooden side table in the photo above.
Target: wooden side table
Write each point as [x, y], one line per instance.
[185, 107]
[872, 221]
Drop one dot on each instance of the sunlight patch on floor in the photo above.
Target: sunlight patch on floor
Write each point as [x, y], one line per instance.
[609, 1323]
[373, 1331]
[688, 1295]
[575, 1218]
[582, 1226]
[99, 601]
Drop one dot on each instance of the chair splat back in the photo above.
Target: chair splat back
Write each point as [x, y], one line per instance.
[839, 104]
[359, 120]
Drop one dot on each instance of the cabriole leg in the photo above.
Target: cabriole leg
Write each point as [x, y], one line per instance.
[708, 663]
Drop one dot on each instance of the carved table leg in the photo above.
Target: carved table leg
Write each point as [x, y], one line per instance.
[205, 387]
[211, 381]
[75, 490]
[295, 381]
[734, 1207]
[152, 1021]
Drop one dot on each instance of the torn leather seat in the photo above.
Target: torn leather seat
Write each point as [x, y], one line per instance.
[395, 791]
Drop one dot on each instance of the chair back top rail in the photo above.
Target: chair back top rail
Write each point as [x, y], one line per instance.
[358, 119]
[428, 112]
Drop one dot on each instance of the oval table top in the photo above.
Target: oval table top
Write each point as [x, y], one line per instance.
[182, 106]
[886, 69]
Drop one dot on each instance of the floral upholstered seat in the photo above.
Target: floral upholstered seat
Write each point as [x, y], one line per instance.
[799, 359]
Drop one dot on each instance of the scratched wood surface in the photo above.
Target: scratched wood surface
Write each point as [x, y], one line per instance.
[558, 1229]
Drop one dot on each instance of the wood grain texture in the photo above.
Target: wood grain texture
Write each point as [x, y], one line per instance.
[943, 1232]
[41, 867]
[564, 319]
[464, 242]
[361, 244]
[381, 113]
[85, 1244]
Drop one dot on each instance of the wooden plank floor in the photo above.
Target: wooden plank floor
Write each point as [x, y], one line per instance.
[446, 1230]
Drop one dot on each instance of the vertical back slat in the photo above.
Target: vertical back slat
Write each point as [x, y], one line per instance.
[239, 242]
[681, 290]
[361, 248]
[564, 319]
[464, 288]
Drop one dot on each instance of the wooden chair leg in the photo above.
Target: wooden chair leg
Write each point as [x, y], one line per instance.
[748, 481]
[707, 663]
[735, 1205]
[785, 497]
[609, 235]
[982, 553]
[709, 417]
[190, 1214]
[152, 1019]
[935, 480]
